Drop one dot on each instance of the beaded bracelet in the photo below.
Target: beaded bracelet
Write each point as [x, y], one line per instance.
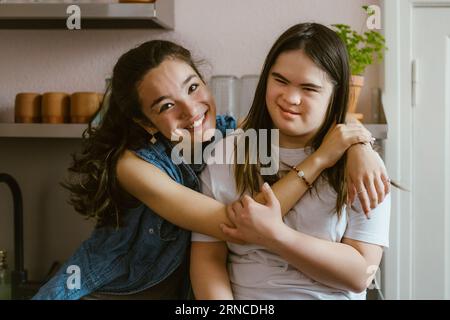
[301, 174]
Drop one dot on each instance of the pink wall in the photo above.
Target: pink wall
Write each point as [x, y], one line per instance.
[233, 36]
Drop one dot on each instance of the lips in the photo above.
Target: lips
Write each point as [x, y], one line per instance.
[198, 121]
[289, 112]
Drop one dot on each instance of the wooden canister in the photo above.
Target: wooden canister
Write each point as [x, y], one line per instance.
[83, 106]
[101, 96]
[27, 107]
[137, 1]
[55, 107]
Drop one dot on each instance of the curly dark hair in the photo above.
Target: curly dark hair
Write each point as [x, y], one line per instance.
[92, 181]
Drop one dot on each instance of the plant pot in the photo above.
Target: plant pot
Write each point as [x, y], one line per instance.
[356, 84]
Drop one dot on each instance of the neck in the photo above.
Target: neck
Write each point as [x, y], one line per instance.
[293, 142]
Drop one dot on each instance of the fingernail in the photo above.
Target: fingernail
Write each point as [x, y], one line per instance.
[266, 185]
[368, 215]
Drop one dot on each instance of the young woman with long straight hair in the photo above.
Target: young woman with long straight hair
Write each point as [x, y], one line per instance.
[323, 248]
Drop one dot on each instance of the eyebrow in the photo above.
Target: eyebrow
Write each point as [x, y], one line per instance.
[307, 84]
[184, 83]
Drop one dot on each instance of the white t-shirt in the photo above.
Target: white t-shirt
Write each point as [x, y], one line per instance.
[256, 273]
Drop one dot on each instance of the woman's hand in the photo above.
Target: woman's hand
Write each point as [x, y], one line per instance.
[255, 223]
[366, 173]
[338, 139]
[366, 177]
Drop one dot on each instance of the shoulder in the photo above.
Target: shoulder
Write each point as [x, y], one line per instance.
[129, 162]
[142, 179]
[133, 164]
[151, 154]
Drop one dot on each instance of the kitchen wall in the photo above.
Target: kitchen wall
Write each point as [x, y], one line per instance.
[231, 36]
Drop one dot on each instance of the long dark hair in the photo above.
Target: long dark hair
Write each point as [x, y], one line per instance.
[324, 47]
[95, 192]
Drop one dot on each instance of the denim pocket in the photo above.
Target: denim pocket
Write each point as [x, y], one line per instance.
[167, 231]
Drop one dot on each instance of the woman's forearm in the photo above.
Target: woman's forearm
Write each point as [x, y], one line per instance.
[334, 264]
[291, 188]
[208, 270]
[192, 210]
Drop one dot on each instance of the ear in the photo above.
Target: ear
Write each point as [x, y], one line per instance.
[150, 128]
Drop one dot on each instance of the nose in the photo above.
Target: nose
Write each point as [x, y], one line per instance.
[190, 109]
[293, 96]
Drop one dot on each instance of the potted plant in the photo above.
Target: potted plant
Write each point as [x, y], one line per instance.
[363, 49]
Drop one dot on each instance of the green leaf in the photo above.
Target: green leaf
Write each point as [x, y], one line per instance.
[363, 49]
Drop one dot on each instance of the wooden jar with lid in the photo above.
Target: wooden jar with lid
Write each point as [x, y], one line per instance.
[83, 106]
[55, 107]
[27, 108]
[137, 1]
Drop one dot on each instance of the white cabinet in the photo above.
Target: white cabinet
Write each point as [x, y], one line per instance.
[417, 100]
[93, 15]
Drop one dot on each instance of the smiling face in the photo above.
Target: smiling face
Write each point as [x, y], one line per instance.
[297, 97]
[174, 97]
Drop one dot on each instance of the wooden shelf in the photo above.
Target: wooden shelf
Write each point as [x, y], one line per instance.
[41, 130]
[53, 15]
[68, 130]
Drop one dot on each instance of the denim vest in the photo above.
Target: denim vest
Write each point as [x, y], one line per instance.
[139, 255]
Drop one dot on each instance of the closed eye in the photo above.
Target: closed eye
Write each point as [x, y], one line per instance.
[280, 81]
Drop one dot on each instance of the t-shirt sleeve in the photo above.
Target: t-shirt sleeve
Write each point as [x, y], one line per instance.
[374, 230]
[206, 188]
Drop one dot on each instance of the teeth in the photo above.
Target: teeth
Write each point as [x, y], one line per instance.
[197, 123]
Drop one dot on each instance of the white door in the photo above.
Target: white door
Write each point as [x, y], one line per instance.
[430, 153]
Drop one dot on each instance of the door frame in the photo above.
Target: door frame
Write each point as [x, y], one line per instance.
[398, 271]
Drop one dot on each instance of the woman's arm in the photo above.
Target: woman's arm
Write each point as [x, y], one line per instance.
[367, 176]
[192, 210]
[345, 265]
[209, 276]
